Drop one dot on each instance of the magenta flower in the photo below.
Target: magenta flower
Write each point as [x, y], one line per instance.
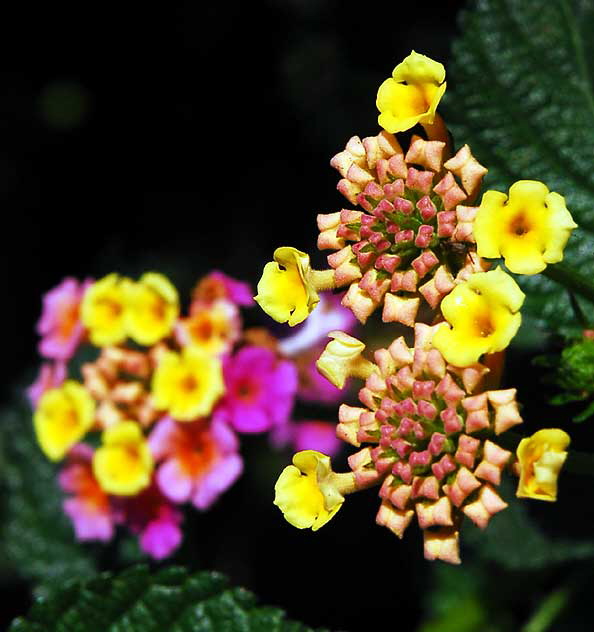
[60, 327]
[307, 435]
[260, 390]
[51, 375]
[199, 460]
[88, 508]
[154, 519]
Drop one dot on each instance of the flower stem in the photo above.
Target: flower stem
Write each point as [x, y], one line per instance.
[548, 611]
[322, 279]
[570, 279]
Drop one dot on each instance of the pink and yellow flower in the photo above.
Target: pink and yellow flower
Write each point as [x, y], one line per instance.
[62, 418]
[51, 375]
[214, 327]
[260, 390]
[216, 286]
[187, 384]
[153, 518]
[88, 506]
[60, 325]
[198, 460]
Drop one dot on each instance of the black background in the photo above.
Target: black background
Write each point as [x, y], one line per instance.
[204, 142]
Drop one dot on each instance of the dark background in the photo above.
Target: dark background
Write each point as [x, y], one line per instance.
[186, 136]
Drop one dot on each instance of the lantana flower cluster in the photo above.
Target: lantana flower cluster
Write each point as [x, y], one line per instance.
[413, 255]
[142, 402]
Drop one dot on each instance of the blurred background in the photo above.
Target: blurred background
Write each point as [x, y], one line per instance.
[188, 136]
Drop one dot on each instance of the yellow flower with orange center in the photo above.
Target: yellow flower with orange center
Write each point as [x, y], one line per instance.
[153, 307]
[214, 328]
[529, 228]
[63, 417]
[103, 310]
[123, 464]
[308, 492]
[187, 384]
[540, 458]
[483, 314]
[412, 94]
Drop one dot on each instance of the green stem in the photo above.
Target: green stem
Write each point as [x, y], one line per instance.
[548, 611]
[570, 279]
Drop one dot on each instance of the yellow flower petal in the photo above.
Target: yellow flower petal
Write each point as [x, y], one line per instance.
[63, 416]
[123, 464]
[103, 310]
[285, 291]
[540, 458]
[187, 385]
[529, 229]
[153, 307]
[483, 313]
[305, 491]
[412, 94]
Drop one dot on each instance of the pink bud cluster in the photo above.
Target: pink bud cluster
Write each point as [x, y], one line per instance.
[430, 427]
[413, 239]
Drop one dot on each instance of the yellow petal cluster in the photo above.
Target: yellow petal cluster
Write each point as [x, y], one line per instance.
[483, 314]
[103, 310]
[187, 384]
[529, 228]
[63, 417]
[305, 492]
[285, 291]
[123, 464]
[540, 458]
[412, 94]
[153, 307]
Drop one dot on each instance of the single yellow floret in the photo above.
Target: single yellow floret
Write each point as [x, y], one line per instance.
[286, 291]
[342, 358]
[123, 464]
[103, 310]
[308, 492]
[153, 308]
[412, 94]
[63, 417]
[540, 458]
[484, 316]
[529, 229]
[187, 384]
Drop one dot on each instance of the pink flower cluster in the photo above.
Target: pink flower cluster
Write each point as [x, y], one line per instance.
[194, 461]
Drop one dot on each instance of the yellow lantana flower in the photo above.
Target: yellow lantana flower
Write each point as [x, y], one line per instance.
[153, 307]
[287, 290]
[123, 464]
[187, 384]
[540, 458]
[63, 417]
[308, 492]
[529, 229]
[103, 310]
[412, 94]
[342, 358]
[484, 316]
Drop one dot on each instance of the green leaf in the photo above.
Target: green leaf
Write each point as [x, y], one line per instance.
[521, 94]
[137, 601]
[35, 535]
[514, 542]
